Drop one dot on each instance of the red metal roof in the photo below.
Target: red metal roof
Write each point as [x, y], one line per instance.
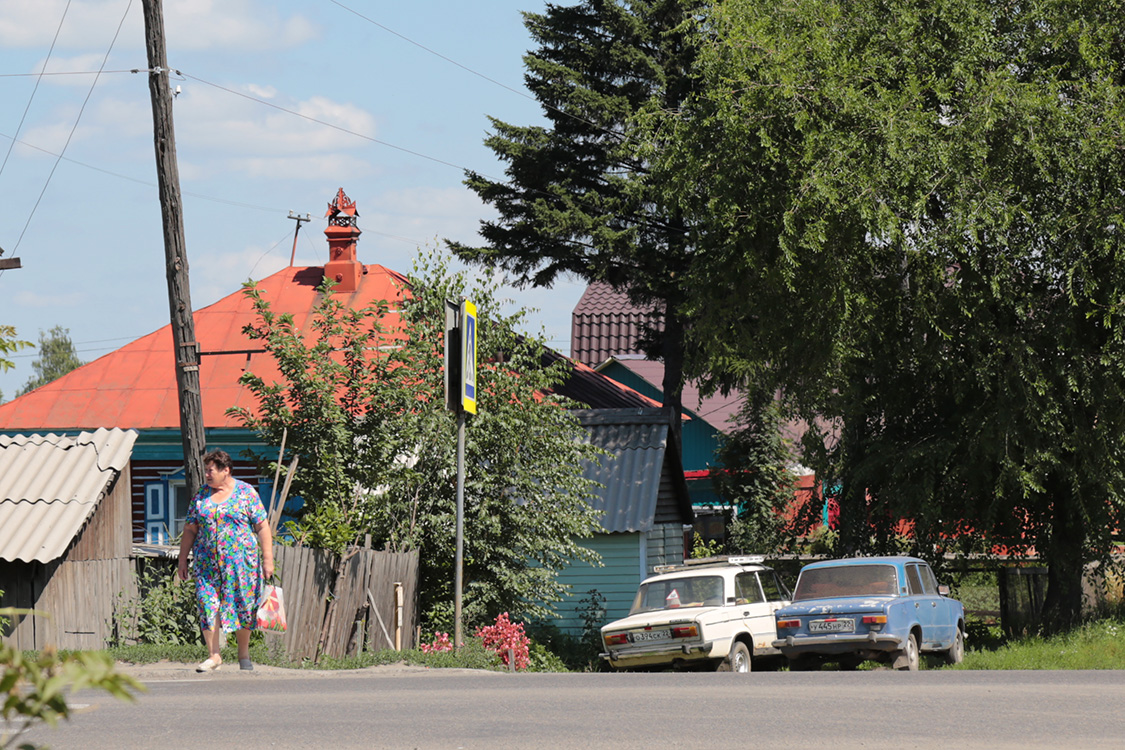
[135, 386]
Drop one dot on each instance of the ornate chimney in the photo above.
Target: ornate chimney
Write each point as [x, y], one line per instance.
[342, 232]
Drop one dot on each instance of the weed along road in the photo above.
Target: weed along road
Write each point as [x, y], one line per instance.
[415, 708]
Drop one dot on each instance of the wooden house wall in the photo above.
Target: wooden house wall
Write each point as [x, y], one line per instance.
[78, 592]
[151, 470]
[620, 575]
[616, 580]
[108, 533]
[77, 600]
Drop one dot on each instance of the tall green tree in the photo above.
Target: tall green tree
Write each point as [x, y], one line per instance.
[919, 206]
[756, 481]
[578, 198]
[56, 358]
[363, 406]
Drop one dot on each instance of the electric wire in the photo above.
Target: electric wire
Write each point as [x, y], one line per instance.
[619, 136]
[77, 120]
[325, 123]
[38, 78]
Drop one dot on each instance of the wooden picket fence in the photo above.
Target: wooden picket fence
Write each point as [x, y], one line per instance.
[339, 605]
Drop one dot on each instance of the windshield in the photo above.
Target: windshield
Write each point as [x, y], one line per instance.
[698, 591]
[846, 580]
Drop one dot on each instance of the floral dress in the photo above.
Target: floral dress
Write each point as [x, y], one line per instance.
[226, 559]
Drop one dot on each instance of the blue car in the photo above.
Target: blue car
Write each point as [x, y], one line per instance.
[888, 609]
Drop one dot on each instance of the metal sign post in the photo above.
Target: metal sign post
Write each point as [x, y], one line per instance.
[461, 397]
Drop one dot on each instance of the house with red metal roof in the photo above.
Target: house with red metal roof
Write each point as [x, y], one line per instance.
[134, 387]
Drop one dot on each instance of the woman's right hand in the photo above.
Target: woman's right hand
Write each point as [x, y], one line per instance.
[183, 569]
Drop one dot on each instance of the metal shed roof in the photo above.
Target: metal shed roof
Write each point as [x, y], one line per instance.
[50, 486]
[637, 443]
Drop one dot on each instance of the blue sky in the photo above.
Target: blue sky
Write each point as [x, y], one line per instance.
[418, 77]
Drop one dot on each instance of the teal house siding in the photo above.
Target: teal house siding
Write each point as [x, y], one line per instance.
[644, 508]
[616, 580]
[627, 559]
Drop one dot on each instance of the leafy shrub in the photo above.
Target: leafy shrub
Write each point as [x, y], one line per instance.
[164, 612]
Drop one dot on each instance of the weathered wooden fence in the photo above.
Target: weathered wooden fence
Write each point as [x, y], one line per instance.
[74, 601]
[335, 607]
[338, 605]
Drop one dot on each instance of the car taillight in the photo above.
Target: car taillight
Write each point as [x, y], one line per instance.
[616, 639]
[788, 623]
[874, 619]
[685, 631]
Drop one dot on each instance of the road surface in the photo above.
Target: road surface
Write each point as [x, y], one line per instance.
[409, 707]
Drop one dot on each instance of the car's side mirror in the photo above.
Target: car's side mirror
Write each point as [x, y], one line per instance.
[943, 590]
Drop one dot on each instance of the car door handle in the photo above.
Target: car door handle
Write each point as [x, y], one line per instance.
[745, 614]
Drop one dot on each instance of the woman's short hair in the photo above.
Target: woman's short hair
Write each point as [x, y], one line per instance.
[220, 458]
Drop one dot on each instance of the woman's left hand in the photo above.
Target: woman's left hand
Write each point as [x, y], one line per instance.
[267, 569]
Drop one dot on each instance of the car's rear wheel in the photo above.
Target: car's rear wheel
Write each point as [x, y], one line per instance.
[956, 652]
[738, 660]
[907, 659]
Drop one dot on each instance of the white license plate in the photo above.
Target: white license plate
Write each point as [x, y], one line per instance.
[648, 635]
[832, 626]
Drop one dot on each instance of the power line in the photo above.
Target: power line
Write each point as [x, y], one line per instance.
[329, 125]
[619, 136]
[38, 78]
[77, 120]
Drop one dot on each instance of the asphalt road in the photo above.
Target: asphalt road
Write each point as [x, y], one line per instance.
[450, 709]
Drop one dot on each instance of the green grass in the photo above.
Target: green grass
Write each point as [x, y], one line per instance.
[1099, 644]
[1095, 645]
[472, 656]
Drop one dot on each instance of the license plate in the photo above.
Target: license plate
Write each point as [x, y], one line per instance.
[648, 635]
[832, 626]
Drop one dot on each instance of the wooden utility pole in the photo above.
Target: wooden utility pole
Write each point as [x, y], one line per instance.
[185, 347]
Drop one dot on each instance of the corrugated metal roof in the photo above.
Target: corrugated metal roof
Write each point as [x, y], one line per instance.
[51, 484]
[636, 441]
[598, 391]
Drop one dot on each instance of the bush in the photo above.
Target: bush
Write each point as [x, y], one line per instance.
[164, 612]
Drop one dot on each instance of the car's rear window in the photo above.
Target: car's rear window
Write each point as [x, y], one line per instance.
[697, 591]
[846, 580]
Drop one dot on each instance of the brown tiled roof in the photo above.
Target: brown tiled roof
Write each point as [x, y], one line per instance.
[604, 323]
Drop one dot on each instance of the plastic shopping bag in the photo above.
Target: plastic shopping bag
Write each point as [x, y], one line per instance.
[271, 612]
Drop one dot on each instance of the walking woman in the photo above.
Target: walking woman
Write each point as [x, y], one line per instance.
[227, 532]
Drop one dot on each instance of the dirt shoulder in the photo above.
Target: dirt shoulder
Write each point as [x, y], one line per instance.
[168, 670]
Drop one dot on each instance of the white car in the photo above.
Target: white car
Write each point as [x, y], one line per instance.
[717, 612]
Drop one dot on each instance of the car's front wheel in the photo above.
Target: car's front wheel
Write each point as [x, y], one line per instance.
[738, 660]
[956, 652]
[907, 659]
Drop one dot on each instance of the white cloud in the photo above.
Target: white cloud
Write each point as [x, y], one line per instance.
[253, 25]
[220, 122]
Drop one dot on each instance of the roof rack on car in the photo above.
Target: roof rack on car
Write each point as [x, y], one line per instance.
[716, 560]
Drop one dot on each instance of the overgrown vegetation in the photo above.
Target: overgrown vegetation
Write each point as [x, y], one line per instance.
[163, 613]
[361, 401]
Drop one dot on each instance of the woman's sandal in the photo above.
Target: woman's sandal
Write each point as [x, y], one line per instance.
[210, 665]
[246, 664]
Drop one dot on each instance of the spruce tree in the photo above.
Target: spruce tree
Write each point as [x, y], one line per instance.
[577, 198]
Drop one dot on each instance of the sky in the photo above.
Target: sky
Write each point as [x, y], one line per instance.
[281, 103]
